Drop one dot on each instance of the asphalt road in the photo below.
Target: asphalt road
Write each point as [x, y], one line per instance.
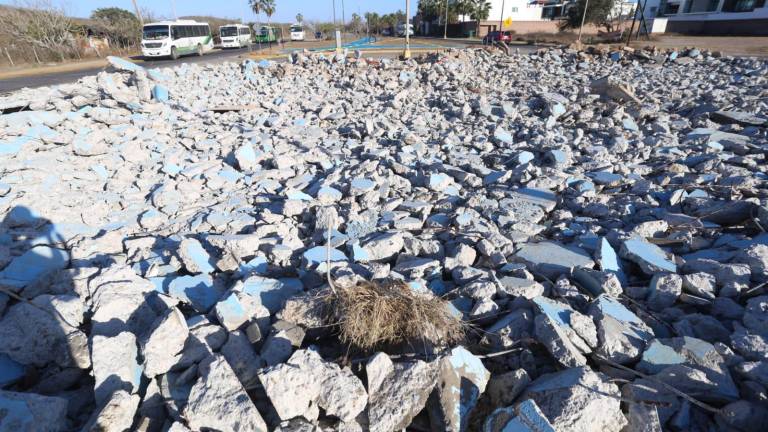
[11, 84]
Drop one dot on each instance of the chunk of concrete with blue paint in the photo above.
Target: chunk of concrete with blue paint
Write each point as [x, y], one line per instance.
[293, 194]
[360, 186]
[552, 259]
[33, 264]
[10, 371]
[606, 178]
[608, 261]
[231, 313]
[272, 293]
[246, 157]
[650, 258]
[198, 291]
[317, 255]
[462, 379]
[501, 135]
[160, 93]
[122, 64]
[438, 182]
[195, 258]
[622, 335]
[525, 417]
[12, 146]
[691, 365]
[32, 412]
[328, 195]
[578, 399]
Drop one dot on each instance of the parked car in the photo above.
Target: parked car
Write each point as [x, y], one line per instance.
[497, 36]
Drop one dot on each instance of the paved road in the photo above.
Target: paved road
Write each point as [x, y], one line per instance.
[11, 84]
[39, 80]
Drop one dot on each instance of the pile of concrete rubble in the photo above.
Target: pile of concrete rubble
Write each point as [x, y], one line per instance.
[597, 219]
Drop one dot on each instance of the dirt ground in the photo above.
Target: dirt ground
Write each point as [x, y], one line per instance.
[728, 45]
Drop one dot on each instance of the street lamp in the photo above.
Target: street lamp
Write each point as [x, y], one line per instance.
[583, 16]
[445, 31]
[407, 52]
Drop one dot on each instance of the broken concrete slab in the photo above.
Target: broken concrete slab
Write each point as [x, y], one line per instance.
[577, 399]
[397, 392]
[218, 401]
[552, 259]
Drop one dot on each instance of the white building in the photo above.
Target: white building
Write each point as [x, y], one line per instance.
[517, 10]
[715, 17]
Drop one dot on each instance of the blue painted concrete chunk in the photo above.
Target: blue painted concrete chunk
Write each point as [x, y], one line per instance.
[363, 184]
[329, 193]
[557, 312]
[257, 265]
[502, 135]
[231, 312]
[33, 264]
[160, 93]
[272, 292]
[123, 64]
[194, 251]
[611, 307]
[13, 145]
[648, 255]
[319, 254]
[198, 291]
[294, 194]
[10, 371]
[658, 356]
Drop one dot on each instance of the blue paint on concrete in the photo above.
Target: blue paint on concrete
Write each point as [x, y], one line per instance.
[160, 93]
[231, 312]
[198, 291]
[194, 250]
[272, 292]
[557, 312]
[10, 370]
[33, 264]
[318, 254]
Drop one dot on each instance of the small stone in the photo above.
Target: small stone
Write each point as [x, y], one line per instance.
[163, 346]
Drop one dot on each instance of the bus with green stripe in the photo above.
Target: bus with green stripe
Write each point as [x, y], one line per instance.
[176, 38]
[266, 34]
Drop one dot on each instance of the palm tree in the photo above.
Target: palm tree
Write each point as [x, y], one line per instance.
[256, 7]
[481, 9]
[299, 18]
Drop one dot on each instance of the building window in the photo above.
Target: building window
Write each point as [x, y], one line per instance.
[742, 5]
[514, 10]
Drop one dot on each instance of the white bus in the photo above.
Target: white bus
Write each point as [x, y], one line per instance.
[176, 38]
[235, 35]
[297, 32]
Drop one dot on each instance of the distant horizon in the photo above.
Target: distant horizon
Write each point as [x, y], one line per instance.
[286, 10]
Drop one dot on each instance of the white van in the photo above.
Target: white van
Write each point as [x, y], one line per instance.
[297, 32]
[235, 35]
[176, 38]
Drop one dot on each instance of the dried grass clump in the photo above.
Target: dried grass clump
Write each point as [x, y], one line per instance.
[379, 314]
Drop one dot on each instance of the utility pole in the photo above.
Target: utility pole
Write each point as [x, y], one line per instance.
[501, 22]
[407, 52]
[138, 13]
[583, 17]
[343, 20]
[445, 31]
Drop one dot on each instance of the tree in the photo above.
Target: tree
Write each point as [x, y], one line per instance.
[598, 13]
[299, 18]
[356, 23]
[374, 21]
[121, 26]
[480, 10]
[37, 23]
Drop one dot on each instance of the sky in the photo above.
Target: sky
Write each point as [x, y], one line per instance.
[320, 10]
